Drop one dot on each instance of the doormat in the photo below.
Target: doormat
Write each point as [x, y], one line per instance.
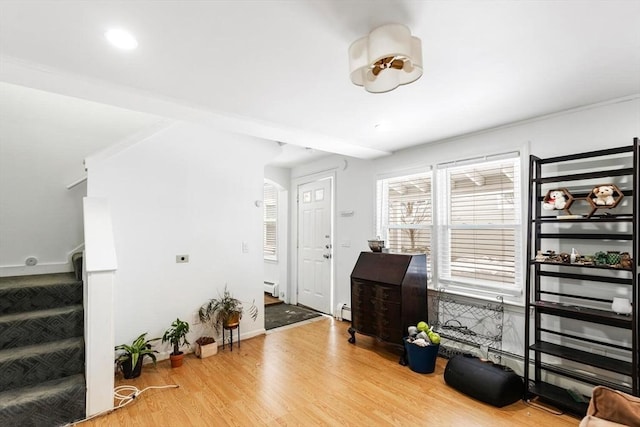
[279, 315]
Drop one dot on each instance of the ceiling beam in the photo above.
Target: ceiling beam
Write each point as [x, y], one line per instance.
[36, 76]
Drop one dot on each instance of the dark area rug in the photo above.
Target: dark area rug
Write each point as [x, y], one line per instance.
[279, 315]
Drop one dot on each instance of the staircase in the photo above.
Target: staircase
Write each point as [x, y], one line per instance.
[41, 350]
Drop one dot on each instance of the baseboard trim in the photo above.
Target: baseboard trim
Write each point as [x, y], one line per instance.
[24, 270]
[164, 355]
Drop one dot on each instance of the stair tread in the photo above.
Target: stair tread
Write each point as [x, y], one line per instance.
[17, 353]
[41, 350]
[33, 393]
[11, 282]
[21, 294]
[36, 314]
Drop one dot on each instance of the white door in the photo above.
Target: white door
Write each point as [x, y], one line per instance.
[314, 245]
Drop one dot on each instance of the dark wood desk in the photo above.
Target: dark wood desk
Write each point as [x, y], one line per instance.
[388, 294]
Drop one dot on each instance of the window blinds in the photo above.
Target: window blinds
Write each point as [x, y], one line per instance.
[479, 222]
[270, 204]
[405, 212]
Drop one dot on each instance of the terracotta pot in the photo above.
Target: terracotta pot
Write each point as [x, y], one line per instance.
[176, 359]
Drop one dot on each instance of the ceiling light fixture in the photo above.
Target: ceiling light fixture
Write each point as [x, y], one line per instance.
[385, 59]
[121, 39]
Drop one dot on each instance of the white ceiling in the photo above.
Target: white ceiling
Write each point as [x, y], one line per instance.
[279, 69]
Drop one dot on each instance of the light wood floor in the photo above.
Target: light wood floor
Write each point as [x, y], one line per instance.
[270, 300]
[307, 376]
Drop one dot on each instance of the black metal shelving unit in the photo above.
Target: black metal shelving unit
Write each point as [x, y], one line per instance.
[565, 299]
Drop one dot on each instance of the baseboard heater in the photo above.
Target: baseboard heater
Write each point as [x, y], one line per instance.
[271, 288]
[343, 312]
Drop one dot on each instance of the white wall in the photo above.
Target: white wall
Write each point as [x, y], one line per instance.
[186, 190]
[44, 139]
[278, 271]
[608, 125]
[596, 127]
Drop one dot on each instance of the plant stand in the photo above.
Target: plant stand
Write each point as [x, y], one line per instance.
[230, 328]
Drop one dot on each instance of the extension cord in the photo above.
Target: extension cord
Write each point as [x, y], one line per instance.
[123, 399]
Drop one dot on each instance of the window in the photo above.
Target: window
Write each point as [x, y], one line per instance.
[404, 214]
[270, 204]
[479, 225]
[469, 213]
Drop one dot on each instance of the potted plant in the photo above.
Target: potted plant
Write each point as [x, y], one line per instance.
[177, 336]
[130, 360]
[205, 347]
[224, 310]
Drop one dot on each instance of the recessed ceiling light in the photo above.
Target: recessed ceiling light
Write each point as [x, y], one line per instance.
[121, 39]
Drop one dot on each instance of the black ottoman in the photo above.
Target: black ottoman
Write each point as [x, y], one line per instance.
[486, 381]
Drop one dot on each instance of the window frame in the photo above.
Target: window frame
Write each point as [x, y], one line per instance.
[444, 227]
[507, 292]
[383, 226]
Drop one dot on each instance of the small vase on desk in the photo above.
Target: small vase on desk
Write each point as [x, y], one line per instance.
[621, 306]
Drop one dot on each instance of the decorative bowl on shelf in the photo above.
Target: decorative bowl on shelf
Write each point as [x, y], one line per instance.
[376, 245]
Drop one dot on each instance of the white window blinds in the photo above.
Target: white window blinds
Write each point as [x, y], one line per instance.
[270, 205]
[404, 212]
[479, 223]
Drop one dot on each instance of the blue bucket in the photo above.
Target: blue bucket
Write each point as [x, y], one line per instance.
[421, 359]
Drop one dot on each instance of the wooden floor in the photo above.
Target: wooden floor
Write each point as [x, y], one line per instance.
[307, 376]
[270, 300]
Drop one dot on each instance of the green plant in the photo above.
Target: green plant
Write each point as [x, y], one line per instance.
[133, 353]
[177, 335]
[219, 310]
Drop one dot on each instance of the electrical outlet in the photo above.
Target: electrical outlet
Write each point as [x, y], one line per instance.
[182, 258]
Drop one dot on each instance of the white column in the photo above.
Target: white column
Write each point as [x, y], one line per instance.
[99, 265]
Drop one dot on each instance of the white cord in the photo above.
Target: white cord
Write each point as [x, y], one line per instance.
[123, 399]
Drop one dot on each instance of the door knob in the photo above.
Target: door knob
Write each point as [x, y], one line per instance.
[327, 256]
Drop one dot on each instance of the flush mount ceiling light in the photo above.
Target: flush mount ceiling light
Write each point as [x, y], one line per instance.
[385, 59]
[121, 39]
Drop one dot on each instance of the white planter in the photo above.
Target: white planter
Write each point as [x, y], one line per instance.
[206, 350]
